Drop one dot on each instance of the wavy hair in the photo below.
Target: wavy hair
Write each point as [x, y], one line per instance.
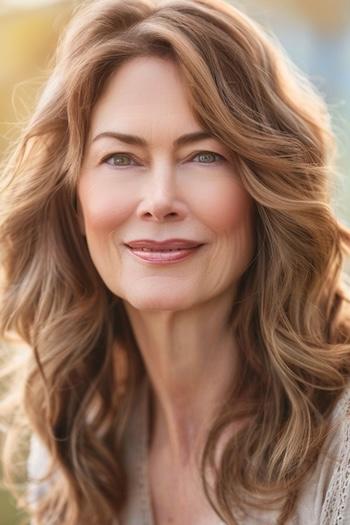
[291, 312]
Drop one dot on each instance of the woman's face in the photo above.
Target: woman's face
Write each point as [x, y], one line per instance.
[159, 190]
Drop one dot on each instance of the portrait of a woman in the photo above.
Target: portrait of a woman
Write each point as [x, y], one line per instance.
[172, 261]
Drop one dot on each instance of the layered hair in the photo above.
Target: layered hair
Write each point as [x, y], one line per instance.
[290, 316]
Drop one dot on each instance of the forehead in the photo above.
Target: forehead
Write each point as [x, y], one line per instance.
[145, 93]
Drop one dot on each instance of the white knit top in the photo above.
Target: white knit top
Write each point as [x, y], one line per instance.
[324, 499]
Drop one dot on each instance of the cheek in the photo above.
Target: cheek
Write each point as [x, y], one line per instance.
[103, 205]
[228, 210]
[224, 207]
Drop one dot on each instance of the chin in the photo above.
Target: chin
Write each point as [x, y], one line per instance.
[158, 301]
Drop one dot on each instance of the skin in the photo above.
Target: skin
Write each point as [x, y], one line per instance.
[177, 311]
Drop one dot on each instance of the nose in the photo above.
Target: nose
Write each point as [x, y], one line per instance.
[160, 197]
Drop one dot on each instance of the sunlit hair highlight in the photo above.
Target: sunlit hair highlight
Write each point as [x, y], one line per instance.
[290, 316]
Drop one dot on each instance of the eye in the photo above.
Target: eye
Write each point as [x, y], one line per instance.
[120, 162]
[208, 155]
[121, 159]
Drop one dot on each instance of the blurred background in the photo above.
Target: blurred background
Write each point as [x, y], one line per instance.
[314, 33]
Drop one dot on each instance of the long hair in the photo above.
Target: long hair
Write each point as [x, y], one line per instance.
[290, 316]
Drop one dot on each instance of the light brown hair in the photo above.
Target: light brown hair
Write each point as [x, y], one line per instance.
[290, 317]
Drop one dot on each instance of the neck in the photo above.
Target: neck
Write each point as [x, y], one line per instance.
[190, 359]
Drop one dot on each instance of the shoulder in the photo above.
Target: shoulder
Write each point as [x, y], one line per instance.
[325, 498]
[336, 506]
[134, 445]
[38, 457]
[38, 464]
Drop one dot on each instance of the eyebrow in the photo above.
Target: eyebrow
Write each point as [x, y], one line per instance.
[139, 141]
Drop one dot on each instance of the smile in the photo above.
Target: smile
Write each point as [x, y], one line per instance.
[163, 256]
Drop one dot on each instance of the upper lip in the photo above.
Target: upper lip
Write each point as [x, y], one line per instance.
[167, 244]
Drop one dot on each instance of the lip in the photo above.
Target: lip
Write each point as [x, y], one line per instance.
[163, 257]
[167, 244]
[156, 252]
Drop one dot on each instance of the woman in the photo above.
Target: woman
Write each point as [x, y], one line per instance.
[173, 263]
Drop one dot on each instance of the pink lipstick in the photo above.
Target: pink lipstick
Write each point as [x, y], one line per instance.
[164, 252]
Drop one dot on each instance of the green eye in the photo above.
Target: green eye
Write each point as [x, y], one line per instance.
[123, 159]
[208, 155]
[116, 156]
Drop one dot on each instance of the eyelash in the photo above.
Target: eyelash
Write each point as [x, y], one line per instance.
[107, 157]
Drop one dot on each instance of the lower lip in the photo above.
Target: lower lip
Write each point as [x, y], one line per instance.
[164, 257]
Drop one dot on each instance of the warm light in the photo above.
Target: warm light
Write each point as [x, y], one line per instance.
[27, 3]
